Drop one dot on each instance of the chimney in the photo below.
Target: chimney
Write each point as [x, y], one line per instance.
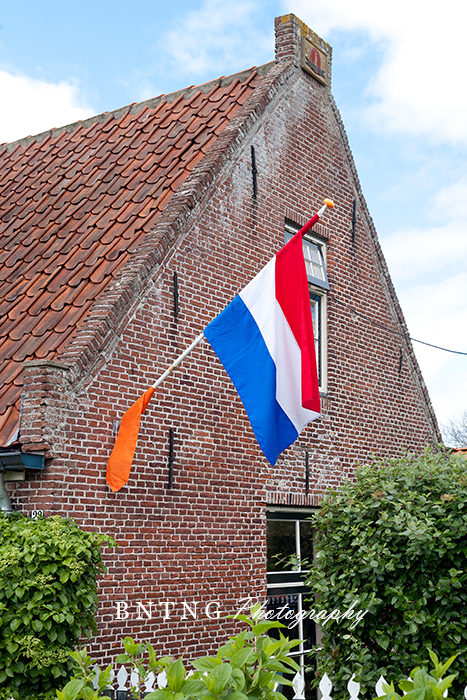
[298, 43]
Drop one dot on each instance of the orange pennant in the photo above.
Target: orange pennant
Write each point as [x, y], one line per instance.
[119, 465]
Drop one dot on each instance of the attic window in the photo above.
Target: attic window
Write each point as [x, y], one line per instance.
[314, 263]
[314, 259]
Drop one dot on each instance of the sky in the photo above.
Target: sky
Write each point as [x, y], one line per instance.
[398, 79]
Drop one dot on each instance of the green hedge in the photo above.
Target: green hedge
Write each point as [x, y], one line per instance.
[48, 598]
[395, 541]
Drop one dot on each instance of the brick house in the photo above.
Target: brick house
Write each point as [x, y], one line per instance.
[121, 238]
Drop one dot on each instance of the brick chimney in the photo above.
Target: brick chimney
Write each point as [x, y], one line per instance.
[298, 43]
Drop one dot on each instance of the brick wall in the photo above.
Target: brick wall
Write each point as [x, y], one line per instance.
[204, 540]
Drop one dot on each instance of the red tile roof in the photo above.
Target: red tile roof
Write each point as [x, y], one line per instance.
[74, 205]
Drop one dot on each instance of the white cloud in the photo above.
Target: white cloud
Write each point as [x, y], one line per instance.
[436, 313]
[414, 252]
[30, 106]
[432, 252]
[428, 268]
[216, 35]
[419, 86]
[451, 202]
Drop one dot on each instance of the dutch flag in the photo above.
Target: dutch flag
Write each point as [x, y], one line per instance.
[264, 339]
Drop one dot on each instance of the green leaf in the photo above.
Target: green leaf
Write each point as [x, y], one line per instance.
[444, 667]
[15, 623]
[283, 681]
[241, 657]
[416, 694]
[384, 641]
[263, 627]
[36, 625]
[238, 678]
[242, 618]
[194, 688]
[205, 663]
[276, 665]
[73, 689]
[236, 695]
[406, 686]
[218, 678]
[176, 675]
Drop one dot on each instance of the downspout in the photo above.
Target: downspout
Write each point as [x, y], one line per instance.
[5, 503]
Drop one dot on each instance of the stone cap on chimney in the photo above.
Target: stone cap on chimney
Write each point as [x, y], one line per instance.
[298, 43]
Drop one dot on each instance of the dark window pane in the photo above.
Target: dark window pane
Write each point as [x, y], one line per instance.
[281, 545]
[316, 301]
[306, 543]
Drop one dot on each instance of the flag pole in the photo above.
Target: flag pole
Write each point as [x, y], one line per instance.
[328, 203]
[179, 359]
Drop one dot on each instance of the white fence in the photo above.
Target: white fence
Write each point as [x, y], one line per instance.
[121, 683]
[325, 687]
[123, 680]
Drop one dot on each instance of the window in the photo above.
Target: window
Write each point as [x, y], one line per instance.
[314, 252]
[290, 553]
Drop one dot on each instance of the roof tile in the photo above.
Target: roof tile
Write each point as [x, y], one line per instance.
[9, 424]
[53, 342]
[8, 348]
[71, 316]
[8, 394]
[8, 324]
[87, 290]
[9, 273]
[27, 348]
[9, 372]
[69, 296]
[26, 325]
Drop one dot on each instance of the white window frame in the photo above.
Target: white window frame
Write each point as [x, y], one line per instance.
[320, 325]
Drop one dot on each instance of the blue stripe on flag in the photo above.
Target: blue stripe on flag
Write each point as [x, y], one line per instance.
[237, 341]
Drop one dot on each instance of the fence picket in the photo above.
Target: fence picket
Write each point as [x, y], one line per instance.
[299, 686]
[353, 687]
[134, 679]
[122, 677]
[162, 680]
[325, 686]
[149, 687]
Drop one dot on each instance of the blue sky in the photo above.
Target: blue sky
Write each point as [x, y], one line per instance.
[398, 75]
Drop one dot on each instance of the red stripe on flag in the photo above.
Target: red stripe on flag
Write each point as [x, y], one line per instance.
[293, 297]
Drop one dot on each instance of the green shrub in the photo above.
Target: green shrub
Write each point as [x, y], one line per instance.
[422, 685]
[48, 597]
[394, 541]
[248, 667]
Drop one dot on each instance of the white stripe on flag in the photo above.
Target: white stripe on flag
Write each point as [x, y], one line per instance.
[260, 298]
